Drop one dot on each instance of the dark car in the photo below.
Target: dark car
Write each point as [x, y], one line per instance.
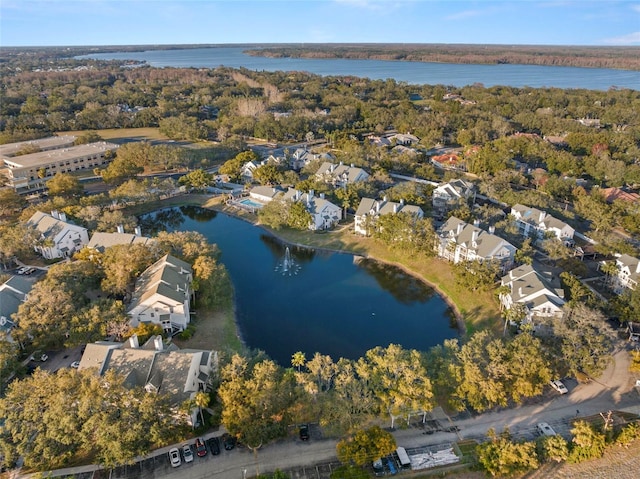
[229, 441]
[214, 445]
[304, 432]
[201, 449]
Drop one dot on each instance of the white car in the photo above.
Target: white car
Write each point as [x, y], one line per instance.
[187, 453]
[559, 386]
[174, 457]
[75, 364]
[545, 430]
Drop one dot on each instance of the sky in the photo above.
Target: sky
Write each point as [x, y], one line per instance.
[154, 22]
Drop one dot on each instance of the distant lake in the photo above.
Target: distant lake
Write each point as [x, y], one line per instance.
[457, 75]
[336, 304]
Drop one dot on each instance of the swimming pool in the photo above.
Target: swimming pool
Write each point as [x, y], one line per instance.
[250, 203]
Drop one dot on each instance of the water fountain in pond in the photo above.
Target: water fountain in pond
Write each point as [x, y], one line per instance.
[287, 266]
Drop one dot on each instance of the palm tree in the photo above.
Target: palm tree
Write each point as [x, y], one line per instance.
[610, 269]
[298, 359]
[201, 401]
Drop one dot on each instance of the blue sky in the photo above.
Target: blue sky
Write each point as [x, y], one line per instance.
[134, 22]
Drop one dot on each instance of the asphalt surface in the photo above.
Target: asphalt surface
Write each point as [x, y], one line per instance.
[316, 458]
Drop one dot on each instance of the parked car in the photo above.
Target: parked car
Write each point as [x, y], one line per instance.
[378, 468]
[391, 465]
[174, 457]
[544, 429]
[214, 445]
[229, 441]
[187, 453]
[201, 448]
[304, 432]
[22, 270]
[75, 364]
[559, 386]
[43, 357]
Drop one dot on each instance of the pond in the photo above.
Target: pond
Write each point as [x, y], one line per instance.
[292, 299]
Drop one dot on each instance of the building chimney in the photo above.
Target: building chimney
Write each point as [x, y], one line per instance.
[352, 165]
[401, 202]
[157, 342]
[138, 231]
[384, 199]
[331, 168]
[62, 216]
[476, 222]
[322, 196]
[520, 291]
[133, 341]
[460, 228]
[395, 207]
[54, 213]
[377, 203]
[340, 163]
[474, 235]
[120, 229]
[311, 192]
[492, 229]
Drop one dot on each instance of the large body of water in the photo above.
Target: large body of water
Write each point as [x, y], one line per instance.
[331, 303]
[457, 75]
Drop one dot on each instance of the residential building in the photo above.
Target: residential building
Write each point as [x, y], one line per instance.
[459, 241]
[324, 214]
[535, 291]
[369, 210]
[535, 223]
[404, 139]
[162, 295]
[13, 293]
[264, 194]
[340, 175]
[100, 241]
[248, 169]
[612, 194]
[58, 238]
[448, 196]
[31, 172]
[158, 368]
[628, 273]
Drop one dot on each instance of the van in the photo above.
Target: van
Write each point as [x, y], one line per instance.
[378, 467]
[403, 458]
[545, 430]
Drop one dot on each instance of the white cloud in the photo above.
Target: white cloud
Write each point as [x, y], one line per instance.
[630, 39]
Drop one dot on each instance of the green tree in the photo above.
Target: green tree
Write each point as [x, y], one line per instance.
[398, 378]
[96, 321]
[119, 171]
[366, 446]
[587, 443]
[234, 166]
[122, 264]
[524, 254]
[186, 245]
[553, 448]
[299, 217]
[10, 202]
[65, 185]
[256, 400]
[197, 179]
[78, 412]
[501, 457]
[275, 214]
[267, 174]
[87, 137]
[298, 359]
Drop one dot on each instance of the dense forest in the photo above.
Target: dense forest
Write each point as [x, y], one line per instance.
[625, 58]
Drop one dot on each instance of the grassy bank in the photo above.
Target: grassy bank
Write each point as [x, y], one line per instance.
[478, 310]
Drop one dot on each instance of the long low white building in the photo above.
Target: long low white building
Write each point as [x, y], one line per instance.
[31, 171]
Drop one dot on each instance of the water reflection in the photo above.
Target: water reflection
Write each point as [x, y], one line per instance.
[335, 305]
[201, 215]
[405, 288]
[162, 220]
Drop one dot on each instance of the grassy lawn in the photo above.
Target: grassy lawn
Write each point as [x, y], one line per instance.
[123, 134]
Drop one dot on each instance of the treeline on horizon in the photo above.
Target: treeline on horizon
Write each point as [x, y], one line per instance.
[624, 58]
[615, 57]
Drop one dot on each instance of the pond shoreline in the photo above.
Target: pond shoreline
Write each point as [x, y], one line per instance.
[236, 213]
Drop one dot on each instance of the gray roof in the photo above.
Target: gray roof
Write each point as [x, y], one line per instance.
[314, 204]
[49, 143]
[168, 277]
[12, 293]
[49, 226]
[525, 282]
[266, 191]
[386, 207]
[341, 171]
[43, 158]
[485, 244]
[100, 241]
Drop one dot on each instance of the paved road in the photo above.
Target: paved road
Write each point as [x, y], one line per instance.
[614, 390]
